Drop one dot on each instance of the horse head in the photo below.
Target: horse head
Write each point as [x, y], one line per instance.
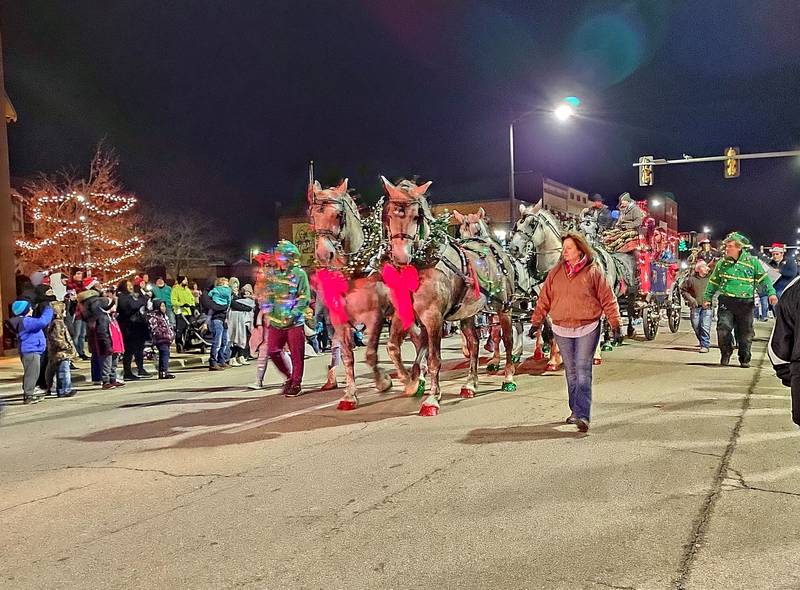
[334, 218]
[405, 217]
[536, 234]
[472, 225]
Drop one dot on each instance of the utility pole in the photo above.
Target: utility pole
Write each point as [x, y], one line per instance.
[8, 288]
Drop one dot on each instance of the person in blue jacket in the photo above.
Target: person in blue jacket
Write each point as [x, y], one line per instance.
[32, 344]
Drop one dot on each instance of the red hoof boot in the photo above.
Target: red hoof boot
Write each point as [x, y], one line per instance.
[552, 367]
[597, 362]
[538, 355]
[467, 393]
[427, 410]
[347, 404]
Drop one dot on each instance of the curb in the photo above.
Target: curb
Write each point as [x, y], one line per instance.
[14, 390]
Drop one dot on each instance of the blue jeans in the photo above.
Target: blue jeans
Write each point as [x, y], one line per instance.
[64, 378]
[701, 324]
[80, 336]
[578, 354]
[764, 303]
[219, 343]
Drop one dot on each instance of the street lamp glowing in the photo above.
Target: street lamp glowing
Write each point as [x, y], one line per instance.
[707, 230]
[656, 202]
[563, 112]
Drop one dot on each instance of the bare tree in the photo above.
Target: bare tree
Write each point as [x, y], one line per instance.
[178, 242]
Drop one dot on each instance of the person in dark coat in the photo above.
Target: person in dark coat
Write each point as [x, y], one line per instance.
[99, 336]
[131, 307]
[784, 344]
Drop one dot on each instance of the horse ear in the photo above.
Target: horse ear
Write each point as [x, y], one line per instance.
[481, 213]
[522, 209]
[537, 206]
[342, 188]
[458, 216]
[392, 191]
[422, 189]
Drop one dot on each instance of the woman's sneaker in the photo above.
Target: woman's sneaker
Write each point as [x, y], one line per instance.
[233, 362]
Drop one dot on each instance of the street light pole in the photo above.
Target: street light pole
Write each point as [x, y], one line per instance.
[511, 188]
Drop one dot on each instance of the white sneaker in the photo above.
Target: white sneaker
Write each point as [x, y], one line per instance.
[233, 362]
[243, 361]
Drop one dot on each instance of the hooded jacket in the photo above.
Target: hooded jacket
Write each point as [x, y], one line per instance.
[99, 325]
[160, 329]
[59, 343]
[30, 331]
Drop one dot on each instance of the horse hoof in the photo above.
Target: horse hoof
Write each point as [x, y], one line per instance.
[509, 386]
[492, 368]
[385, 386]
[467, 393]
[516, 359]
[428, 410]
[538, 354]
[552, 367]
[607, 347]
[420, 388]
[346, 405]
[596, 362]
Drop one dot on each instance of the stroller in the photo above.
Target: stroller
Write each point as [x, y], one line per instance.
[195, 336]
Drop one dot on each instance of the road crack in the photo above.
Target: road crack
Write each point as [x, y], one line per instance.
[698, 534]
[43, 498]
[743, 485]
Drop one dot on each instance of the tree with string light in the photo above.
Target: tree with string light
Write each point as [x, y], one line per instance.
[83, 223]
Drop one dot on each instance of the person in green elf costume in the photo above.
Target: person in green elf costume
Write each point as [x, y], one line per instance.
[737, 276]
[288, 295]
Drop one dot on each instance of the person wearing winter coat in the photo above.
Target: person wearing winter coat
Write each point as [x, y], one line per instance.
[162, 291]
[784, 343]
[84, 301]
[60, 350]
[162, 335]
[131, 307]
[99, 336]
[288, 294]
[216, 302]
[692, 290]
[32, 344]
[183, 304]
[240, 325]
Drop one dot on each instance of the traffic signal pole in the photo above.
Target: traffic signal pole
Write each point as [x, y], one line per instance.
[756, 156]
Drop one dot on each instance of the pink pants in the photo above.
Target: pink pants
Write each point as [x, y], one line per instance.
[295, 337]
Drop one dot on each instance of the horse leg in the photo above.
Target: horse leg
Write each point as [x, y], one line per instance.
[349, 400]
[383, 382]
[416, 381]
[471, 335]
[396, 336]
[494, 336]
[508, 341]
[432, 320]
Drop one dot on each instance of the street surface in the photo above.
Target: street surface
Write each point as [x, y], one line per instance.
[688, 478]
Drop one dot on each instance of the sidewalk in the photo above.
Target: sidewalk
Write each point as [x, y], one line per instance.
[11, 371]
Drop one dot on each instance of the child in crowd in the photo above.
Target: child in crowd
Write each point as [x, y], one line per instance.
[60, 352]
[162, 335]
[221, 294]
[32, 344]
[117, 342]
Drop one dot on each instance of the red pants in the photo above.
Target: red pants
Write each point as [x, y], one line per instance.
[277, 338]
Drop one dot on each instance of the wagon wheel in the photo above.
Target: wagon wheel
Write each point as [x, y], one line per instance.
[674, 311]
[650, 320]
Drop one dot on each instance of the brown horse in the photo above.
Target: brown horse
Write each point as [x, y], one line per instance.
[440, 280]
[360, 295]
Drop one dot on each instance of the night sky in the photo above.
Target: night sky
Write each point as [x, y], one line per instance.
[216, 106]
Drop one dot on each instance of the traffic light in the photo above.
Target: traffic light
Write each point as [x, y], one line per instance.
[731, 162]
[646, 171]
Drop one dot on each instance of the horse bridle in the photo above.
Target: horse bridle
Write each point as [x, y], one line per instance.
[531, 253]
[334, 237]
[404, 205]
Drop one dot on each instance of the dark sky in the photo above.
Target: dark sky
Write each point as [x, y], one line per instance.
[216, 106]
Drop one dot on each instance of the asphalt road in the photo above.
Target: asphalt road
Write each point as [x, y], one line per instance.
[688, 478]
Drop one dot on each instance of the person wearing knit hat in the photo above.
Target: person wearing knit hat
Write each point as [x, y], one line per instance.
[692, 289]
[32, 344]
[627, 226]
[736, 277]
[785, 265]
[288, 296]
